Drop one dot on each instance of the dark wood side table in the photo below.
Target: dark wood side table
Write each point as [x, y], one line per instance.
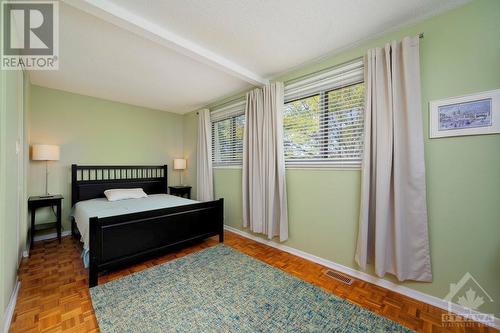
[181, 191]
[45, 201]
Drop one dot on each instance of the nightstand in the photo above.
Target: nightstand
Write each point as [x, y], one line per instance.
[180, 191]
[45, 201]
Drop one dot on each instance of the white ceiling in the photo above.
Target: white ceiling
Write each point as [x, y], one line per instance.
[102, 60]
[178, 55]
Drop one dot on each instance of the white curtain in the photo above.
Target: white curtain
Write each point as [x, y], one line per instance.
[264, 187]
[204, 179]
[393, 214]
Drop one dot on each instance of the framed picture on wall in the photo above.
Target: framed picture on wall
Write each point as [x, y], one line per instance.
[465, 115]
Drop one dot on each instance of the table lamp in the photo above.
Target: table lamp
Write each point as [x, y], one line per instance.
[180, 164]
[45, 153]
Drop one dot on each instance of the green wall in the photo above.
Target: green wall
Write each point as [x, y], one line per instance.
[95, 131]
[14, 93]
[26, 150]
[12, 182]
[460, 54]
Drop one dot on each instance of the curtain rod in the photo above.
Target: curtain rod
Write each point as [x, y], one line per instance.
[420, 35]
[230, 101]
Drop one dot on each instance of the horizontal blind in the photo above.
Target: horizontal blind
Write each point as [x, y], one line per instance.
[228, 111]
[228, 123]
[336, 77]
[323, 117]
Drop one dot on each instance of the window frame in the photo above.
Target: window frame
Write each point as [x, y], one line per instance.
[229, 111]
[323, 93]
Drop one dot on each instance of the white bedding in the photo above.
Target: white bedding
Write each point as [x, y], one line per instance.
[101, 207]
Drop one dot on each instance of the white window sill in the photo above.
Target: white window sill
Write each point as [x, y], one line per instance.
[330, 166]
[301, 167]
[227, 167]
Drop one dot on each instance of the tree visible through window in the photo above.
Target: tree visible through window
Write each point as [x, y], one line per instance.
[325, 127]
[301, 120]
[227, 141]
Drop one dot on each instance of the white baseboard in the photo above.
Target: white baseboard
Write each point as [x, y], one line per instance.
[51, 236]
[420, 296]
[9, 312]
[26, 253]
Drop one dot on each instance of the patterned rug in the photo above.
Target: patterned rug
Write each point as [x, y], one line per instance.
[222, 290]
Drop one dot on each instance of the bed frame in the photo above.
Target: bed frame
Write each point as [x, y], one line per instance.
[119, 240]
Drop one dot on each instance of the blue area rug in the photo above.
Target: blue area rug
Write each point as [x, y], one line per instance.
[222, 290]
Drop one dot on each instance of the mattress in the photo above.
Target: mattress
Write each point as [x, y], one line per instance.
[101, 207]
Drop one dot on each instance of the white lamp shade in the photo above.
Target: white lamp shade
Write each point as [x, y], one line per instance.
[179, 164]
[45, 153]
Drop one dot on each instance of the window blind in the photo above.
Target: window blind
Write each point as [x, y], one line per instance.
[323, 117]
[228, 123]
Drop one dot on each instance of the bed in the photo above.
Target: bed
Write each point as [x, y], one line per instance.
[119, 233]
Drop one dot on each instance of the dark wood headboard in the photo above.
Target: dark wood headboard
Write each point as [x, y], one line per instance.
[90, 181]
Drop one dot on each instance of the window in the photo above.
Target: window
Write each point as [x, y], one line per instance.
[227, 134]
[323, 118]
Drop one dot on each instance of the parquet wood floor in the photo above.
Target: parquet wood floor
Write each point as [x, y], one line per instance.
[54, 296]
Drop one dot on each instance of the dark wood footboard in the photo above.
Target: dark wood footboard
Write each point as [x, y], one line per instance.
[119, 240]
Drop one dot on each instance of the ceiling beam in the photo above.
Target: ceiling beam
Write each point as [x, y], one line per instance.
[127, 20]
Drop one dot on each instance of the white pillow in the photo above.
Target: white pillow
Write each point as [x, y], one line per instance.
[125, 193]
